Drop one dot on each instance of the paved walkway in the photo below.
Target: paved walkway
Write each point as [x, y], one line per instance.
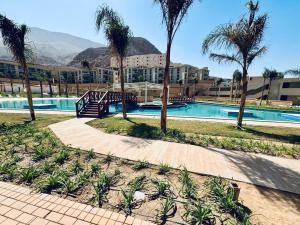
[19, 206]
[268, 171]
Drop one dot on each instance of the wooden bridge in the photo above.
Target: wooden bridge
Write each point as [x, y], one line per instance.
[95, 104]
[181, 99]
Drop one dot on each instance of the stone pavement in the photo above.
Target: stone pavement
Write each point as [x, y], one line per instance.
[273, 172]
[19, 206]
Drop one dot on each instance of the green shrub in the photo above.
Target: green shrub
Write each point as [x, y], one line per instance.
[137, 183]
[189, 189]
[90, 155]
[167, 210]
[28, 174]
[163, 168]
[141, 164]
[76, 166]
[162, 188]
[62, 156]
[198, 213]
[127, 203]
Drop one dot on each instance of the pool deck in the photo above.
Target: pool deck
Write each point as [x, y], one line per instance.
[273, 172]
[229, 121]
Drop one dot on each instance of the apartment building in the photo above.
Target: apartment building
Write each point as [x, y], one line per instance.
[68, 74]
[286, 89]
[149, 60]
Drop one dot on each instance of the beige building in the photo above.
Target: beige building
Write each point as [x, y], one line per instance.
[149, 60]
[287, 89]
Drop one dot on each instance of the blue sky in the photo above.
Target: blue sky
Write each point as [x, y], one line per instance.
[77, 17]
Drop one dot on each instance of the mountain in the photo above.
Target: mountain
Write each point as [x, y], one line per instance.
[101, 56]
[53, 47]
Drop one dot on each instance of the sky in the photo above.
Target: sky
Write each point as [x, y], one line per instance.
[77, 17]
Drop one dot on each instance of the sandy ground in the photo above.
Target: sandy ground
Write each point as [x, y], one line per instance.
[271, 206]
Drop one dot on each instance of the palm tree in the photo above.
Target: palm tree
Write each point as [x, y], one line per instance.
[49, 79]
[14, 38]
[217, 84]
[242, 42]
[266, 75]
[173, 12]
[294, 72]
[118, 36]
[196, 81]
[86, 64]
[180, 82]
[41, 77]
[273, 75]
[237, 76]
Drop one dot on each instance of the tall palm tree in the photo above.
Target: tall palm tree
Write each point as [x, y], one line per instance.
[266, 75]
[293, 72]
[273, 75]
[196, 81]
[237, 76]
[217, 84]
[242, 43]
[14, 38]
[180, 82]
[173, 12]
[118, 36]
[49, 80]
[41, 77]
[86, 64]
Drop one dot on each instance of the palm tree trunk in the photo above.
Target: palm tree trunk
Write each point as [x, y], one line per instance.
[235, 92]
[243, 99]
[231, 90]
[270, 83]
[59, 85]
[29, 94]
[262, 93]
[11, 85]
[66, 88]
[50, 88]
[163, 118]
[77, 86]
[41, 87]
[123, 89]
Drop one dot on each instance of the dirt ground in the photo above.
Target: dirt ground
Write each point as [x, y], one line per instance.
[270, 206]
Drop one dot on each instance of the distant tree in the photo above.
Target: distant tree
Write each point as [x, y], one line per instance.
[266, 75]
[14, 38]
[196, 81]
[242, 42]
[85, 64]
[41, 77]
[237, 76]
[49, 79]
[118, 36]
[293, 72]
[273, 75]
[180, 82]
[218, 82]
[173, 12]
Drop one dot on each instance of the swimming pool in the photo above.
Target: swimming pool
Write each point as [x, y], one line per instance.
[201, 110]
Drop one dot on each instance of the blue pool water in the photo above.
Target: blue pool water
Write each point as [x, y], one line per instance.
[191, 110]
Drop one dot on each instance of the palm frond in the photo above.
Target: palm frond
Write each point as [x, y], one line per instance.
[224, 58]
[293, 72]
[255, 54]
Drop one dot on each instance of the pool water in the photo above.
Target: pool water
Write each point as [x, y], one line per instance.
[191, 110]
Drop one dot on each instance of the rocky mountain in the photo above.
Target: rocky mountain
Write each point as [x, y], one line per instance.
[101, 56]
[53, 47]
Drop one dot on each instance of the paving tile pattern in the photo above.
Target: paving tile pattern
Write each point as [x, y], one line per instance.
[18, 205]
[273, 172]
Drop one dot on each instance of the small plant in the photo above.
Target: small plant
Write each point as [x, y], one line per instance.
[90, 155]
[124, 162]
[50, 182]
[141, 165]
[167, 210]
[76, 166]
[95, 168]
[47, 167]
[163, 168]
[137, 183]
[68, 186]
[108, 158]
[28, 174]
[77, 152]
[41, 152]
[198, 213]
[188, 186]
[128, 203]
[82, 178]
[61, 156]
[101, 187]
[162, 188]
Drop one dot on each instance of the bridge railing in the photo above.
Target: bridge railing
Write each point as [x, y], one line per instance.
[82, 102]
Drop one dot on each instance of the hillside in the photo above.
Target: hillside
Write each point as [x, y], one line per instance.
[53, 47]
[101, 56]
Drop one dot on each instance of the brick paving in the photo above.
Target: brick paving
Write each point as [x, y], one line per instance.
[18, 205]
[268, 171]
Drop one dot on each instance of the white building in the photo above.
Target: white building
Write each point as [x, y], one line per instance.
[149, 60]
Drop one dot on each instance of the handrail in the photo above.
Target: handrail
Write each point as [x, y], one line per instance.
[103, 97]
[82, 96]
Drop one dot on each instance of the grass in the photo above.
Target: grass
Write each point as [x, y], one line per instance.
[268, 140]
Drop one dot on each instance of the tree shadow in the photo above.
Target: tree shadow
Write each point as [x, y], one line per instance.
[293, 139]
[263, 172]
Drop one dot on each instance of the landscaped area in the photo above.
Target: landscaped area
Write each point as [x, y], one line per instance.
[275, 141]
[34, 157]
